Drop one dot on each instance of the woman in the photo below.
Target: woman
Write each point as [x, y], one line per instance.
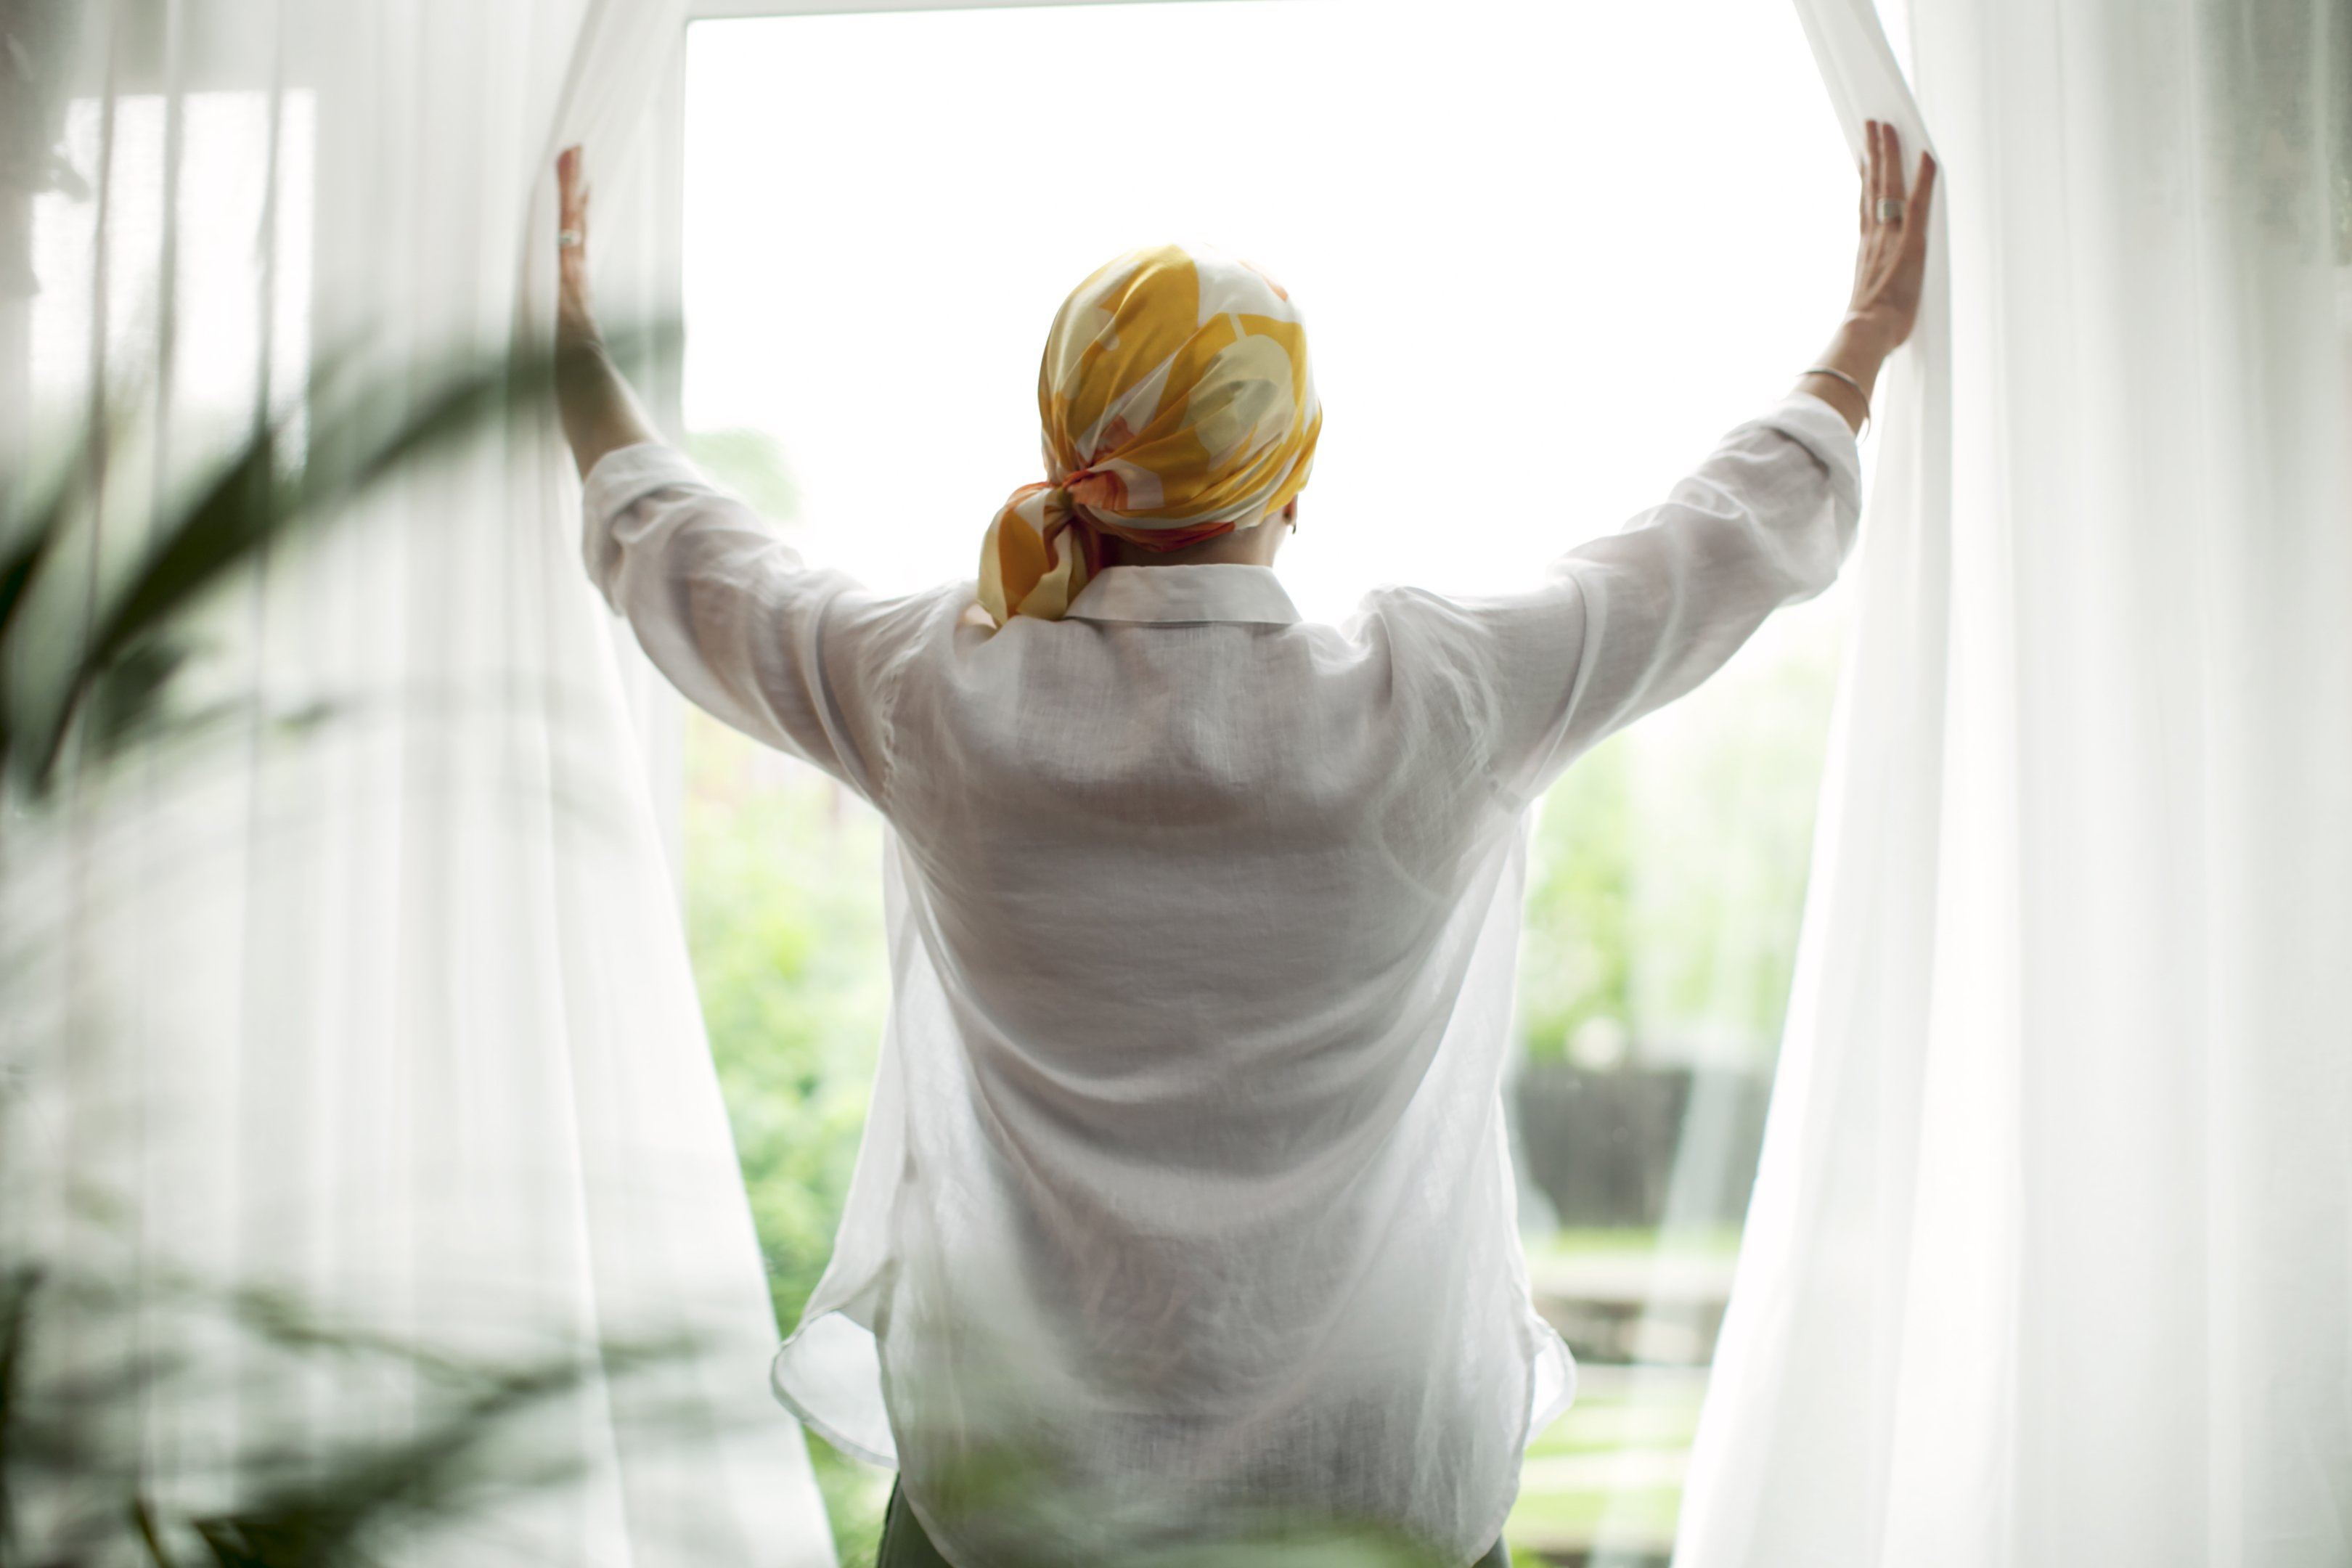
[1183, 1218]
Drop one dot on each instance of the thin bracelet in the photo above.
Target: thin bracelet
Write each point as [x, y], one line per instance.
[1832, 370]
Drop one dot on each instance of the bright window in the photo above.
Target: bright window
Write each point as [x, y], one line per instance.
[1547, 254]
[246, 260]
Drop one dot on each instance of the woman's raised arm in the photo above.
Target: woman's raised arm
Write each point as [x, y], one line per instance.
[601, 413]
[1631, 621]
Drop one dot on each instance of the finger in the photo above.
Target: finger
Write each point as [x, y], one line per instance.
[1923, 196]
[1890, 162]
[1862, 172]
[567, 185]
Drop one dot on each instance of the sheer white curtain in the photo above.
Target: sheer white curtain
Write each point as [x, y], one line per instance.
[2051, 1253]
[387, 1010]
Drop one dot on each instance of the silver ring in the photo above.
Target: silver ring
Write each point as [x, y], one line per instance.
[567, 237]
[1890, 209]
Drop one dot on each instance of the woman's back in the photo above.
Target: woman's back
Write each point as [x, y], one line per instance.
[1183, 1011]
[1159, 851]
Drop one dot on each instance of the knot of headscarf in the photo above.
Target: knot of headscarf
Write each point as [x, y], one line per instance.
[1177, 406]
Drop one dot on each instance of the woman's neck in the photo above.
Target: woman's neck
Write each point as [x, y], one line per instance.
[1254, 546]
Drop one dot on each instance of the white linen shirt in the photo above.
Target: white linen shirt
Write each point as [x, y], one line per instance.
[1185, 1205]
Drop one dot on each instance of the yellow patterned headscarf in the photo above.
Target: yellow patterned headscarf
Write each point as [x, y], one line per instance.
[1178, 405]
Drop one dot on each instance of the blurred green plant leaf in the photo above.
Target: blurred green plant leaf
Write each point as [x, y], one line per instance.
[354, 435]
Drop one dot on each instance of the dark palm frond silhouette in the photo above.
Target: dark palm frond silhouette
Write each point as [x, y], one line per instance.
[305, 1504]
[103, 689]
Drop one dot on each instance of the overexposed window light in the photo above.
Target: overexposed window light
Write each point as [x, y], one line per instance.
[1548, 252]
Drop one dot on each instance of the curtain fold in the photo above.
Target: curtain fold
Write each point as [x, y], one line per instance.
[2049, 1255]
[369, 992]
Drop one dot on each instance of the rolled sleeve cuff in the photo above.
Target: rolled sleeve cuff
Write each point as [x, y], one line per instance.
[1811, 423]
[621, 478]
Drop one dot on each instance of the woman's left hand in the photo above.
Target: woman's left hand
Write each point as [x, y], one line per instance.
[601, 415]
[574, 315]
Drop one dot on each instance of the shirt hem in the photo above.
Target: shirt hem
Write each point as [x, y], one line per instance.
[807, 1413]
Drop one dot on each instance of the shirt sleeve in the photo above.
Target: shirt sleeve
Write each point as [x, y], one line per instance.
[800, 658]
[1625, 624]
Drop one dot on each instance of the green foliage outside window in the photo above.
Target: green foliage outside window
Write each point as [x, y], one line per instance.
[752, 464]
[1666, 879]
[784, 915]
[1575, 969]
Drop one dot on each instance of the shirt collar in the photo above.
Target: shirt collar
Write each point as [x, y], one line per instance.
[1222, 591]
